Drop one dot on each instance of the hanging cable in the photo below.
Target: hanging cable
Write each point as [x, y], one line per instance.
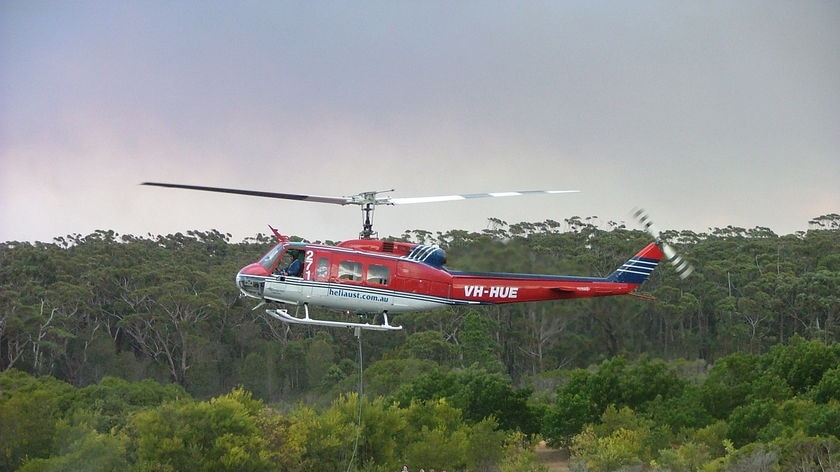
[358, 332]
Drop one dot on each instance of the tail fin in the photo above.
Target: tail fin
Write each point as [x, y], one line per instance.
[639, 267]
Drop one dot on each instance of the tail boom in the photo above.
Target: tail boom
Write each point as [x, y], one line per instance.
[499, 288]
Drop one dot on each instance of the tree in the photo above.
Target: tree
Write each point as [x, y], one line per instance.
[437, 437]
[802, 453]
[477, 394]
[385, 377]
[220, 434]
[429, 345]
[747, 421]
[169, 325]
[520, 456]
[383, 427]
[29, 415]
[622, 439]
[83, 449]
[616, 383]
[730, 383]
[478, 347]
[482, 395]
[802, 363]
[112, 400]
[327, 438]
[484, 446]
[27, 427]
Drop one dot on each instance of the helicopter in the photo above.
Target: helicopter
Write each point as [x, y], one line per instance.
[372, 276]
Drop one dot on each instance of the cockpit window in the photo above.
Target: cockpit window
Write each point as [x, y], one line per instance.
[269, 261]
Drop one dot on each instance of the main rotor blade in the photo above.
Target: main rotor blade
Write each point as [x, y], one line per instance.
[449, 198]
[256, 193]
[362, 199]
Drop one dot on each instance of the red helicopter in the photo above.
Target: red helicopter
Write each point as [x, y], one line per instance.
[373, 276]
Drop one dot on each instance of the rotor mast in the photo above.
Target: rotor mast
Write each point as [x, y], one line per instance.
[367, 222]
[368, 201]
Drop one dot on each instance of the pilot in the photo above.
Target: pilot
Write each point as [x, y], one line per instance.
[296, 267]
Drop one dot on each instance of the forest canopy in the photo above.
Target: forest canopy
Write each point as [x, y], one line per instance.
[105, 337]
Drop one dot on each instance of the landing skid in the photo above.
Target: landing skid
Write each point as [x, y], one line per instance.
[284, 316]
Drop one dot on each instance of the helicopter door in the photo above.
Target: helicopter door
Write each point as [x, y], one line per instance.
[291, 288]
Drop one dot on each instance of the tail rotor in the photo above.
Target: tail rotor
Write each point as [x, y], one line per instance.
[682, 266]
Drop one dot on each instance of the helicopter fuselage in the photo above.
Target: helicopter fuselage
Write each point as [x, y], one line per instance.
[375, 276]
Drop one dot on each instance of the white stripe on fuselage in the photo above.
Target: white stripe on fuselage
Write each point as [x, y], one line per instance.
[357, 298]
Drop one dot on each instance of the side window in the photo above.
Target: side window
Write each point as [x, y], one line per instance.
[323, 269]
[349, 270]
[378, 274]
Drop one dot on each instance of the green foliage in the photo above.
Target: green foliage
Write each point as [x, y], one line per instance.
[686, 457]
[30, 410]
[609, 450]
[801, 452]
[86, 307]
[478, 394]
[641, 386]
[747, 422]
[118, 425]
[519, 455]
[429, 345]
[83, 449]
[765, 427]
[27, 427]
[385, 377]
[327, 439]
[567, 417]
[824, 420]
[478, 346]
[441, 440]
[438, 448]
[220, 434]
[113, 399]
[621, 438]
[802, 363]
[142, 325]
[682, 411]
[731, 383]
[828, 388]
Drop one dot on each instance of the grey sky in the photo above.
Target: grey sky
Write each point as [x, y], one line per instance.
[708, 114]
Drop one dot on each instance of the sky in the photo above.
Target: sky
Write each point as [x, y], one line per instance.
[707, 114]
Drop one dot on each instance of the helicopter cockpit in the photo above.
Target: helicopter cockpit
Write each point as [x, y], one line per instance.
[284, 259]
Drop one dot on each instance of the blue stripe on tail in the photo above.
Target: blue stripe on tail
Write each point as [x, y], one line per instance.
[634, 271]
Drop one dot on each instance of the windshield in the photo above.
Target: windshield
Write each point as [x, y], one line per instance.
[269, 261]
